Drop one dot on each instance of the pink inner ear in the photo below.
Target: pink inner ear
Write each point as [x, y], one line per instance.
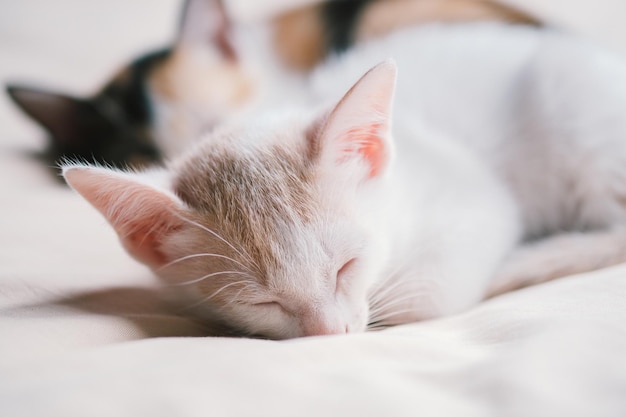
[143, 228]
[141, 215]
[366, 141]
[143, 238]
[360, 124]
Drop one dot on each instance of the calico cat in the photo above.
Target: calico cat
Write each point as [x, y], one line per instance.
[214, 70]
[394, 203]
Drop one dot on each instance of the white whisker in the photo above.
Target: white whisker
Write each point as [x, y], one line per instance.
[199, 255]
[205, 299]
[236, 296]
[389, 284]
[381, 319]
[194, 281]
[377, 327]
[389, 307]
[212, 232]
[384, 293]
[397, 300]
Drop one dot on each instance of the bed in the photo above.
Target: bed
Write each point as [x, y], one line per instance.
[84, 331]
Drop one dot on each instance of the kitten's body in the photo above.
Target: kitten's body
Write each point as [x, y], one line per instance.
[518, 103]
[161, 102]
[322, 224]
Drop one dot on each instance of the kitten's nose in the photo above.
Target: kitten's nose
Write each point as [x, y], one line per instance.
[321, 328]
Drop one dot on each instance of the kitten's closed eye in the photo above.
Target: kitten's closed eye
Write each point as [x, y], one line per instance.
[269, 304]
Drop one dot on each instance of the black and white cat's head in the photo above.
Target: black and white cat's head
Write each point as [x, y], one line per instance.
[165, 93]
[112, 127]
[274, 231]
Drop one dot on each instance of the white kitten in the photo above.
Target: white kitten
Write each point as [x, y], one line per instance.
[330, 223]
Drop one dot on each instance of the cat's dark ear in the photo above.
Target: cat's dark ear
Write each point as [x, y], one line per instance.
[358, 129]
[205, 22]
[142, 215]
[60, 115]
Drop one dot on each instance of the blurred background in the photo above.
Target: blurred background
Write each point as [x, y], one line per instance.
[74, 45]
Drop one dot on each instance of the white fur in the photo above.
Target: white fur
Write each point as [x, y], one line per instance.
[541, 111]
[499, 134]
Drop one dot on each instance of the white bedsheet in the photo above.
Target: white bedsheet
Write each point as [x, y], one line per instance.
[82, 330]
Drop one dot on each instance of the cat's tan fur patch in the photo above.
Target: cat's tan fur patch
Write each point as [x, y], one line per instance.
[194, 75]
[384, 16]
[300, 41]
[196, 80]
[299, 37]
[249, 197]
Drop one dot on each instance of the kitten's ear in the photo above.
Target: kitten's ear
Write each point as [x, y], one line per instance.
[206, 22]
[359, 127]
[64, 117]
[142, 215]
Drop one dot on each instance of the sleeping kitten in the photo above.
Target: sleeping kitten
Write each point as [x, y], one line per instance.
[215, 70]
[358, 216]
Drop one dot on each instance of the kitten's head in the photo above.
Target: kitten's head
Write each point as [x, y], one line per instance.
[273, 231]
[179, 90]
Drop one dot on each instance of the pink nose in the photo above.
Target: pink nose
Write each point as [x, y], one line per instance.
[320, 328]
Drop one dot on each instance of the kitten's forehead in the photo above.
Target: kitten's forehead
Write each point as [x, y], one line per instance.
[256, 195]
